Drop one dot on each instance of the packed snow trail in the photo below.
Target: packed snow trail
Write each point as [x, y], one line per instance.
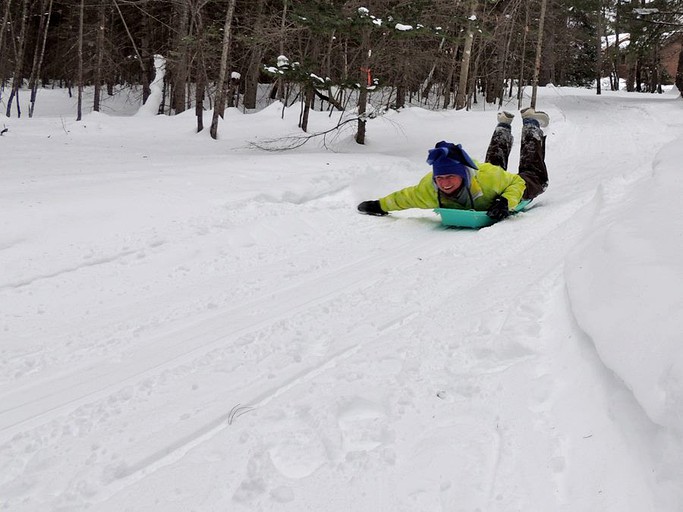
[379, 363]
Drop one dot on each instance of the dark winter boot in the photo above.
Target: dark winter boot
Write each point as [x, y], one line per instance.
[499, 148]
[532, 167]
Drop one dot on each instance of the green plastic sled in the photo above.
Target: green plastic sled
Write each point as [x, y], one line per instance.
[470, 218]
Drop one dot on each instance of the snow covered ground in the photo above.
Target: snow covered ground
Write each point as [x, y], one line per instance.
[198, 325]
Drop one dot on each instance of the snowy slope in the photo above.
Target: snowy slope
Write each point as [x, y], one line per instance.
[189, 324]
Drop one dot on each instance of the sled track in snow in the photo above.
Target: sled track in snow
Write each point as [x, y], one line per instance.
[32, 405]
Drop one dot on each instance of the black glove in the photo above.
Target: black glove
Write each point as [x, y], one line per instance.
[499, 209]
[371, 208]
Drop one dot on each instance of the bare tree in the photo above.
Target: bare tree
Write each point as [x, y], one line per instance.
[461, 94]
[102, 16]
[80, 61]
[522, 59]
[219, 104]
[18, 77]
[598, 60]
[617, 49]
[39, 54]
[539, 51]
[200, 66]
[254, 67]
[449, 80]
[180, 71]
[5, 18]
[283, 23]
[144, 73]
[363, 94]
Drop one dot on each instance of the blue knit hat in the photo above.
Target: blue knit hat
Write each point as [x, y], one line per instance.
[448, 158]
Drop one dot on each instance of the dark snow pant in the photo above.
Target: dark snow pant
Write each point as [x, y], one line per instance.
[532, 167]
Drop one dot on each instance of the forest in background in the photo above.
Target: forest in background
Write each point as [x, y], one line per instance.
[332, 54]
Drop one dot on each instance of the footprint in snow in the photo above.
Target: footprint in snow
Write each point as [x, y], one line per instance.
[296, 450]
[363, 424]
[449, 468]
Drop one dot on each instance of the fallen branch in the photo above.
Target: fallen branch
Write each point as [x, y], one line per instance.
[296, 141]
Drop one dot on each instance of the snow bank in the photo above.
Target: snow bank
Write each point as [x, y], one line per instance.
[625, 286]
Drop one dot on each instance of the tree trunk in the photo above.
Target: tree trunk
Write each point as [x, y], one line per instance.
[363, 93]
[254, 70]
[102, 15]
[679, 72]
[308, 98]
[401, 92]
[631, 77]
[461, 94]
[219, 104]
[617, 50]
[430, 77]
[598, 60]
[79, 115]
[146, 58]
[5, 19]
[503, 68]
[199, 99]
[448, 86]
[200, 80]
[539, 51]
[18, 76]
[180, 71]
[280, 82]
[472, 95]
[252, 78]
[38, 56]
[655, 81]
[520, 86]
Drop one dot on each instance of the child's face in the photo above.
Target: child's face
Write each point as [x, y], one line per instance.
[448, 183]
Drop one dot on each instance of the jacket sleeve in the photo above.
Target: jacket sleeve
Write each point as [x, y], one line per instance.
[500, 182]
[513, 190]
[422, 195]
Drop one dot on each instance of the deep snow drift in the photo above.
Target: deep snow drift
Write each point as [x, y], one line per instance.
[189, 324]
